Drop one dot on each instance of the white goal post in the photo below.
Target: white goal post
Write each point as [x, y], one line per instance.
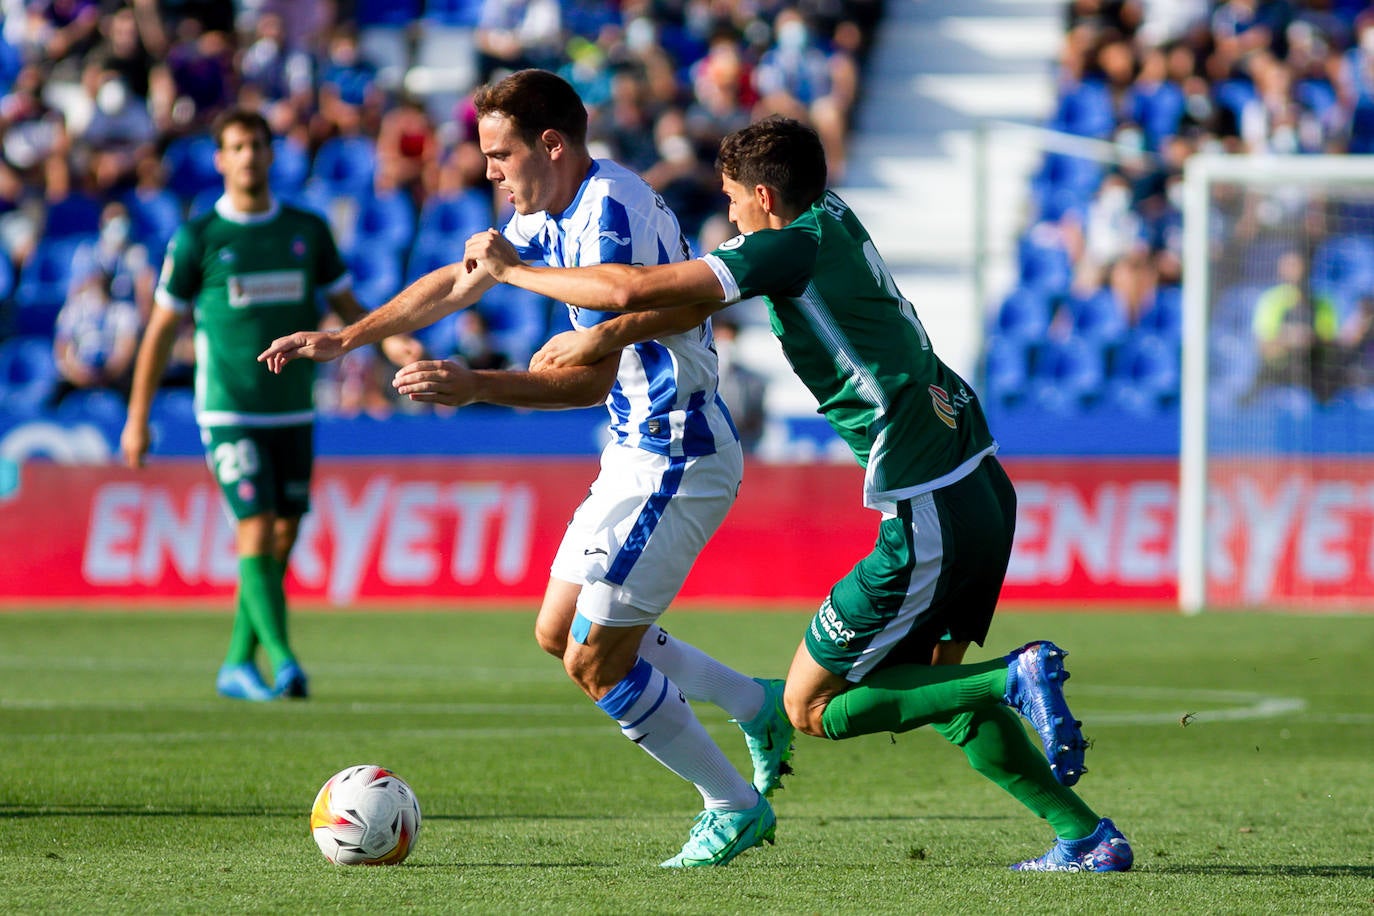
[1276, 182]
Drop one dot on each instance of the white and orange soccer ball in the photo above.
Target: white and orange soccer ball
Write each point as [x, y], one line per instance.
[365, 815]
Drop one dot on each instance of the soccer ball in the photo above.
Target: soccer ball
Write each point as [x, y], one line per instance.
[365, 815]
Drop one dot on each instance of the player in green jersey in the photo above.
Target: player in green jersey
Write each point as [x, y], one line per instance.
[252, 269]
[885, 651]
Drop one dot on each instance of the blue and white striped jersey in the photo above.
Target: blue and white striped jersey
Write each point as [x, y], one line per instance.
[664, 399]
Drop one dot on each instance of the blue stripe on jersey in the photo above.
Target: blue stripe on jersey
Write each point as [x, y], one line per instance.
[625, 694]
[697, 434]
[644, 526]
[614, 235]
[661, 375]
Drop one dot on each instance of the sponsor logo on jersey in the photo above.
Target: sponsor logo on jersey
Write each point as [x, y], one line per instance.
[943, 408]
[226, 255]
[615, 237]
[267, 287]
[246, 491]
[298, 247]
[834, 627]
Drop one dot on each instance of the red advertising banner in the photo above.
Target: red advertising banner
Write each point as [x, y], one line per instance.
[453, 532]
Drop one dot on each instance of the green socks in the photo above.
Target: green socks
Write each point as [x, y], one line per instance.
[263, 601]
[904, 697]
[964, 704]
[996, 744]
[243, 642]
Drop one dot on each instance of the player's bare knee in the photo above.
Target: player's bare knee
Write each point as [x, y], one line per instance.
[805, 712]
[552, 640]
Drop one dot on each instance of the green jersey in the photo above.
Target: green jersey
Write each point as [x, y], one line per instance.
[251, 278]
[857, 344]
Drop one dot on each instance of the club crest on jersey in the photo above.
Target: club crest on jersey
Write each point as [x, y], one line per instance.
[732, 244]
[298, 247]
[944, 409]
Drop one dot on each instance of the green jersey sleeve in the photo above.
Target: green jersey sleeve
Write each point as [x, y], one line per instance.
[181, 278]
[769, 262]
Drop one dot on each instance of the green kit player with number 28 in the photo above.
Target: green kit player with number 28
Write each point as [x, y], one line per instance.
[885, 651]
[252, 269]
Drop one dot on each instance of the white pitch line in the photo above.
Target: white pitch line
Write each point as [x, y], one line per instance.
[1240, 706]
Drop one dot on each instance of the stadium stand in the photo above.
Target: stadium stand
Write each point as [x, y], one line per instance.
[328, 76]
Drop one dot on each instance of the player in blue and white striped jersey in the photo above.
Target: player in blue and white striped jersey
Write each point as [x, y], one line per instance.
[668, 476]
[664, 398]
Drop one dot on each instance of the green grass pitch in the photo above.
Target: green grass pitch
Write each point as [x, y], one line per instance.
[127, 786]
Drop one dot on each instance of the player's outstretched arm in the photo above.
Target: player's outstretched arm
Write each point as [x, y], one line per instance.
[436, 294]
[604, 287]
[399, 349]
[586, 346]
[453, 384]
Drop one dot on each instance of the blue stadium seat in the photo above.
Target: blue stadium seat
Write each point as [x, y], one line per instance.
[451, 219]
[99, 405]
[1165, 317]
[173, 405]
[346, 165]
[1005, 371]
[384, 221]
[1023, 315]
[422, 260]
[204, 202]
[27, 372]
[7, 278]
[517, 320]
[190, 165]
[1145, 374]
[453, 12]
[75, 215]
[290, 166]
[42, 287]
[1097, 316]
[1067, 377]
[1344, 265]
[155, 216]
[1086, 110]
[1043, 262]
[398, 13]
[376, 276]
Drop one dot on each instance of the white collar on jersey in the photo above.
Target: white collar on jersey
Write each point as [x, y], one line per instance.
[227, 211]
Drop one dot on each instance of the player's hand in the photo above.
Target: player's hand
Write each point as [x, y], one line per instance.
[133, 444]
[493, 251]
[570, 348]
[320, 346]
[402, 349]
[437, 381]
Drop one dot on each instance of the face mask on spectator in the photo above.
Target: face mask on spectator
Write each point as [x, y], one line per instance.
[792, 36]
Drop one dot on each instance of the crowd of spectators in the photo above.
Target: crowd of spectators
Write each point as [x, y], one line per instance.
[1095, 317]
[104, 107]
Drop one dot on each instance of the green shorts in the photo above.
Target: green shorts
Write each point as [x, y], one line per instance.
[262, 469]
[934, 574]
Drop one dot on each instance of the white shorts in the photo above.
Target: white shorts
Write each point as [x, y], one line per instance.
[635, 537]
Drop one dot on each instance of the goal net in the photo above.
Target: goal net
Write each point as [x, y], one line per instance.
[1276, 491]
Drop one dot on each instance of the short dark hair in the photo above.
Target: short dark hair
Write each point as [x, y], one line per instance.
[535, 101]
[781, 153]
[246, 118]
